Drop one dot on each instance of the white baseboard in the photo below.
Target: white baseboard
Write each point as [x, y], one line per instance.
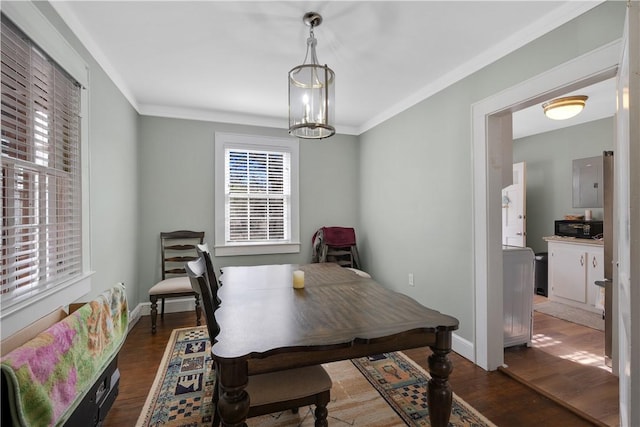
[134, 316]
[463, 347]
[171, 305]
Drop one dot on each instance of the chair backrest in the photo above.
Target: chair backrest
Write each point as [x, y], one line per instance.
[177, 248]
[196, 270]
[335, 244]
[339, 237]
[203, 252]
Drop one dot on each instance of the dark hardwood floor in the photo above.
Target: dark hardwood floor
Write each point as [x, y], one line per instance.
[566, 363]
[500, 398]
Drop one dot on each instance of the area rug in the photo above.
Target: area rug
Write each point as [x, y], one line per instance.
[182, 390]
[403, 384]
[571, 314]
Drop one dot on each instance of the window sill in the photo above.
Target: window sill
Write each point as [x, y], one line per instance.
[23, 313]
[257, 249]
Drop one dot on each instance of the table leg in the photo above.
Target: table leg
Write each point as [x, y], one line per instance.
[439, 395]
[233, 405]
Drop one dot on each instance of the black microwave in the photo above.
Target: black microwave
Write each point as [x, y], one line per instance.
[579, 228]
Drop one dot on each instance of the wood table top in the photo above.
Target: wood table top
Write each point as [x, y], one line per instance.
[261, 314]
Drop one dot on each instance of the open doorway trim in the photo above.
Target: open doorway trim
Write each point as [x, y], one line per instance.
[488, 144]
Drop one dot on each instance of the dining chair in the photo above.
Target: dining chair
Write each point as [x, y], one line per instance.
[271, 392]
[204, 252]
[176, 248]
[337, 245]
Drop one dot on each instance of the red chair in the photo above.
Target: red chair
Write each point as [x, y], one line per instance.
[338, 245]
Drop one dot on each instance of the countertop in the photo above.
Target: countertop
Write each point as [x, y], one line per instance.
[574, 240]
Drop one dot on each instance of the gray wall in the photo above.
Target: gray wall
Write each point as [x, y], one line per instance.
[405, 185]
[549, 158]
[416, 172]
[113, 176]
[177, 187]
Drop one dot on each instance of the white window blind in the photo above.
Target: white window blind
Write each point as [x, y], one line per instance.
[258, 192]
[41, 173]
[256, 200]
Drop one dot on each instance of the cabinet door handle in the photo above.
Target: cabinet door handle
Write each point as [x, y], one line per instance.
[594, 263]
[582, 260]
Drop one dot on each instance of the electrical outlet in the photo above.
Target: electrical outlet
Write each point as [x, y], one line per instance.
[411, 283]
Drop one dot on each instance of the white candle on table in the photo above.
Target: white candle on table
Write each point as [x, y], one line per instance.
[298, 279]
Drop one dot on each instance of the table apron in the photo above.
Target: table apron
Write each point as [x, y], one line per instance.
[289, 360]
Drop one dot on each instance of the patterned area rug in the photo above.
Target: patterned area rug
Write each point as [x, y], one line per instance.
[183, 388]
[182, 391]
[403, 384]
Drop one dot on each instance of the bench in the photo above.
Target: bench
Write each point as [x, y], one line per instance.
[62, 370]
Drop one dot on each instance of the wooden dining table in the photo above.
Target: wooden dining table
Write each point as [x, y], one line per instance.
[266, 325]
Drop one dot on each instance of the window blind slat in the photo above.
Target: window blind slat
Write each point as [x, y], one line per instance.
[41, 210]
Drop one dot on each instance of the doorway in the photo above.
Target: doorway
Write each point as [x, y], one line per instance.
[550, 153]
[490, 143]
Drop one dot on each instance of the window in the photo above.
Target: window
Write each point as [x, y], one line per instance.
[256, 195]
[42, 210]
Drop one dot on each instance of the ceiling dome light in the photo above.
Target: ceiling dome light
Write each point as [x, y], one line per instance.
[564, 108]
[311, 92]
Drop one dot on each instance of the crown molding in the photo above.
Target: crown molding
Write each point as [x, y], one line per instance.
[536, 29]
[67, 15]
[224, 117]
[558, 17]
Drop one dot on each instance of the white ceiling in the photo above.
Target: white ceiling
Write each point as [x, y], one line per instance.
[228, 61]
[600, 104]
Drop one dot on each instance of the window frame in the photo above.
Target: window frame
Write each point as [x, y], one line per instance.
[37, 27]
[224, 141]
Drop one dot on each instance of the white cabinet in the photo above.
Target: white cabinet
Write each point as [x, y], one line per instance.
[595, 271]
[574, 266]
[568, 271]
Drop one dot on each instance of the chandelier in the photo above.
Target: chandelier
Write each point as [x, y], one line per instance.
[311, 92]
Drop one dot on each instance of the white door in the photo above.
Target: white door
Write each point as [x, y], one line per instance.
[626, 278]
[514, 202]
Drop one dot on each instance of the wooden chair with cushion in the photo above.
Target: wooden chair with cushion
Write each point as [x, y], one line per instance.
[176, 248]
[272, 392]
